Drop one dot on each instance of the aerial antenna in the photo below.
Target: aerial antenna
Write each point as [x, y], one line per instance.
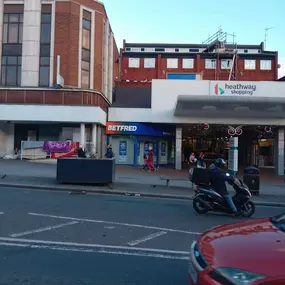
[266, 35]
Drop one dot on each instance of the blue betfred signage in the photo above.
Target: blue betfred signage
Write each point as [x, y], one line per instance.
[127, 128]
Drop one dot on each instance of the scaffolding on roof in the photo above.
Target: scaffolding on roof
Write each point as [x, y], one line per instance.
[226, 54]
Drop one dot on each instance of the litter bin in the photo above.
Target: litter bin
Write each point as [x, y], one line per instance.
[251, 178]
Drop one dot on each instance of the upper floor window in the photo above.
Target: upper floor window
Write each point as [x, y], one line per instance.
[134, 62]
[149, 63]
[249, 64]
[226, 63]
[45, 28]
[172, 63]
[210, 63]
[188, 63]
[265, 65]
[86, 50]
[13, 28]
[11, 70]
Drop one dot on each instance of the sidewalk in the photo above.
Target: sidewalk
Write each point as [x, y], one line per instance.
[129, 181]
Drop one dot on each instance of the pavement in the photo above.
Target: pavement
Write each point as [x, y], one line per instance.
[50, 237]
[129, 181]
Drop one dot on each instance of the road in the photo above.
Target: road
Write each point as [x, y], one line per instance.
[57, 238]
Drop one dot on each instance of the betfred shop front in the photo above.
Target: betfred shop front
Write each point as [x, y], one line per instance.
[131, 141]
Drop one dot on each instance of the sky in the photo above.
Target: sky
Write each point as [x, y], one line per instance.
[189, 21]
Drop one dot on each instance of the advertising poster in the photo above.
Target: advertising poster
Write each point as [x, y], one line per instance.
[163, 149]
[123, 151]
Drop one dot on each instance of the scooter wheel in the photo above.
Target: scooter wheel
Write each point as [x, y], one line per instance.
[198, 206]
[248, 209]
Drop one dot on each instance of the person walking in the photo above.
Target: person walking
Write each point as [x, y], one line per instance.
[150, 159]
[200, 161]
[109, 153]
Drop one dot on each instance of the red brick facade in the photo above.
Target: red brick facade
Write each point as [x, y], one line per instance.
[160, 71]
[67, 20]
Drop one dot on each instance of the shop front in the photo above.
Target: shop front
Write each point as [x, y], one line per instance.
[254, 112]
[131, 141]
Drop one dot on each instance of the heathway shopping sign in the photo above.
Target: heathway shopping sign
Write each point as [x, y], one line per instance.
[232, 88]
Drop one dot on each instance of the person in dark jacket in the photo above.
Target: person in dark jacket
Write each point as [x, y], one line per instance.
[109, 153]
[218, 182]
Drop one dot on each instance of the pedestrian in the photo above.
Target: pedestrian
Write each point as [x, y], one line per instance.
[200, 161]
[145, 165]
[109, 153]
[192, 159]
[150, 160]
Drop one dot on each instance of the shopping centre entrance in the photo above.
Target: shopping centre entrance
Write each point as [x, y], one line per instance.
[256, 144]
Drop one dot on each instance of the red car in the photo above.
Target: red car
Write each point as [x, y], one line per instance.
[246, 253]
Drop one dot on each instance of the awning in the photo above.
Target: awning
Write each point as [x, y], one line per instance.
[229, 106]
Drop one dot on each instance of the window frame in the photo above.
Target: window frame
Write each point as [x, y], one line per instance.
[45, 49]
[213, 64]
[172, 63]
[226, 60]
[263, 64]
[185, 60]
[134, 62]
[247, 65]
[149, 62]
[6, 28]
[86, 49]
[18, 70]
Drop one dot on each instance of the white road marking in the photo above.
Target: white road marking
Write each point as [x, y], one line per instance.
[92, 250]
[49, 228]
[115, 223]
[115, 248]
[146, 238]
[1, 213]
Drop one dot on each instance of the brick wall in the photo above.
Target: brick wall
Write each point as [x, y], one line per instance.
[160, 71]
[67, 21]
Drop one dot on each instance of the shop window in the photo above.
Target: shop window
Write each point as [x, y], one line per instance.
[249, 64]
[226, 63]
[149, 63]
[172, 63]
[210, 63]
[188, 63]
[265, 65]
[134, 62]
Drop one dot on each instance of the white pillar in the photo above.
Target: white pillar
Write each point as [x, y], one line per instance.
[1, 28]
[105, 57]
[110, 67]
[82, 135]
[31, 43]
[178, 148]
[94, 137]
[280, 149]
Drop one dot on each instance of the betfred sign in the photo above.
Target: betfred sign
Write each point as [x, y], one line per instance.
[121, 128]
[128, 128]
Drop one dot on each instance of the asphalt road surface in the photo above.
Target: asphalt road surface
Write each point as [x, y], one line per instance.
[57, 238]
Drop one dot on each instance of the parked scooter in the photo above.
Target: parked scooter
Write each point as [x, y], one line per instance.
[206, 199]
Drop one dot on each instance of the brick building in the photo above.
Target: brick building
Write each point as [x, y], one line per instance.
[213, 61]
[59, 62]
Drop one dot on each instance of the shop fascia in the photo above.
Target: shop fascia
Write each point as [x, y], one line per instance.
[241, 89]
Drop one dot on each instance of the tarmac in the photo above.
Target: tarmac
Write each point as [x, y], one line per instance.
[129, 181]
